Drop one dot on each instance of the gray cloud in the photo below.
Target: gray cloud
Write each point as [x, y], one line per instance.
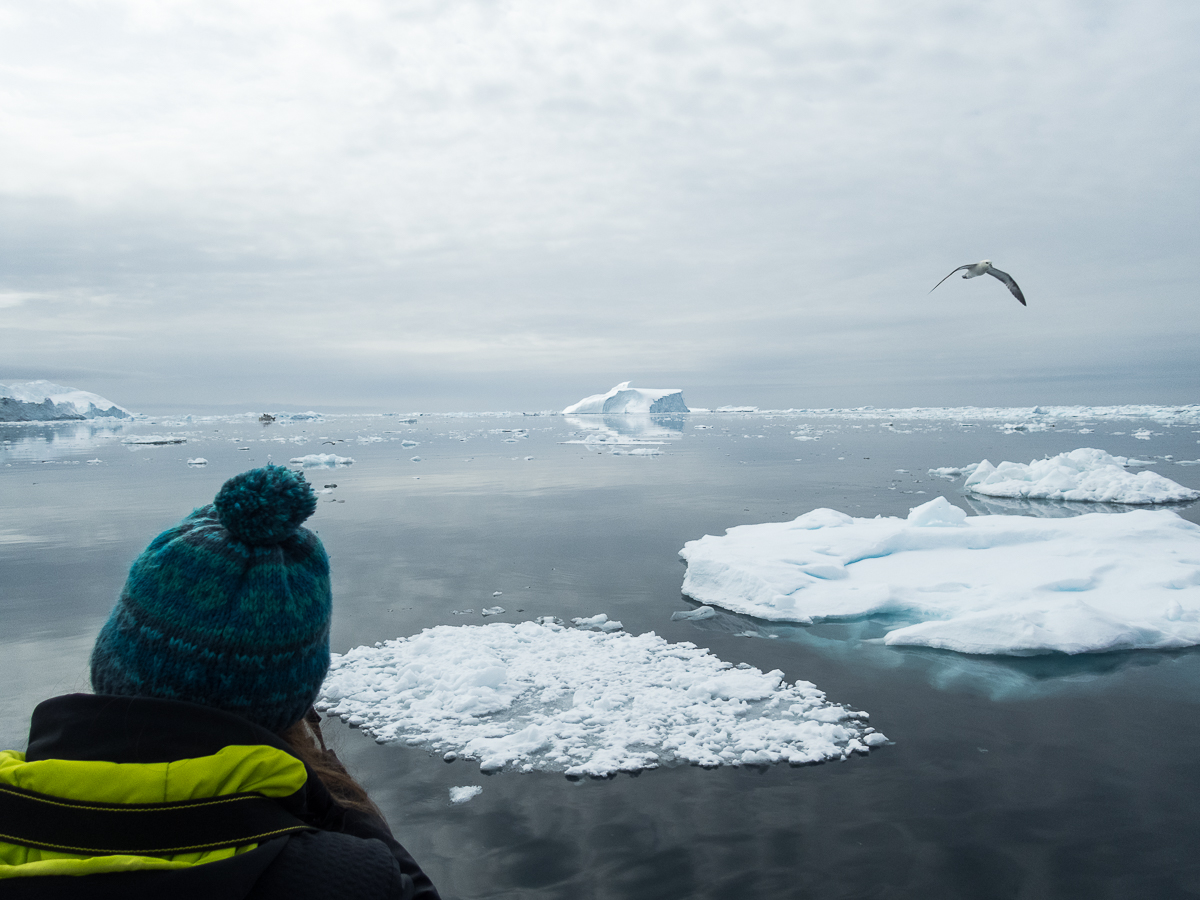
[481, 204]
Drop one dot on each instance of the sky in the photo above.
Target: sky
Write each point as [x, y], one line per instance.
[474, 205]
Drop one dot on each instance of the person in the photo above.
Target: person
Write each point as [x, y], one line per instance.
[198, 769]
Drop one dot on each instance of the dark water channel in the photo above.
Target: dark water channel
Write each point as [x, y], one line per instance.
[1008, 778]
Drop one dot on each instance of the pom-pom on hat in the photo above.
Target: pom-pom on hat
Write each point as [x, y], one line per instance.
[228, 609]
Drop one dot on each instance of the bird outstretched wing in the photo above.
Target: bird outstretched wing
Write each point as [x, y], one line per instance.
[1008, 283]
[959, 269]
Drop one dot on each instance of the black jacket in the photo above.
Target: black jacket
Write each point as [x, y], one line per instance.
[341, 852]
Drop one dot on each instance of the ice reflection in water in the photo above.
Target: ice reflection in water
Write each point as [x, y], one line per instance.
[26, 442]
[859, 642]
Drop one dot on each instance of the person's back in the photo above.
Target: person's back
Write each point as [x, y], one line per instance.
[198, 769]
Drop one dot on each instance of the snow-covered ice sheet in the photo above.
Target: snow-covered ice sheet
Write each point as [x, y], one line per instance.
[539, 696]
[1083, 475]
[62, 399]
[986, 584]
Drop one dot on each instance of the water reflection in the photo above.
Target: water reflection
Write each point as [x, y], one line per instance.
[627, 429]
[41, 441]
[1053, 509]
[859, 642]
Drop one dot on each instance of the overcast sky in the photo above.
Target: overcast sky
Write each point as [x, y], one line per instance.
[508, 205]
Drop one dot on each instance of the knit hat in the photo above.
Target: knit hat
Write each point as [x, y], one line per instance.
[228, 609]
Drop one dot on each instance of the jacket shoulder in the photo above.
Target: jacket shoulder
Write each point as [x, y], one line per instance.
[327, 864]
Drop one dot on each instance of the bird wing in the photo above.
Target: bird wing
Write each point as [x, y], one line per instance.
[1008, 282]
[959, 269]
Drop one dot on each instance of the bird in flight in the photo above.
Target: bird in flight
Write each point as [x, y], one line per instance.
[985, 267]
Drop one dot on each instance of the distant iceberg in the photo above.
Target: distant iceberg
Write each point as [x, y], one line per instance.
[623, 400]
[44, 401]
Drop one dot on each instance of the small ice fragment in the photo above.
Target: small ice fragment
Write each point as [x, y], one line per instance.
[492, 611]
[464, 793]
[874, 739]
[96, 462]
[318, 460]
[415, 459]
[198, 461]
[702, 612]
[599, 622]
[450, 756]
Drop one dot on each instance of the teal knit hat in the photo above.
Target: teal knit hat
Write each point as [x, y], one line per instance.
[228, 609]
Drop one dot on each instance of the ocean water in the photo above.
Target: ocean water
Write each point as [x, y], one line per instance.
[1050, 776]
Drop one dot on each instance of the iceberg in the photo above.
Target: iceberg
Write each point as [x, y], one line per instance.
[45, 401]
[1085, 475]
[623, 399]
[321, 461]
[1014, 585]
[540, 696]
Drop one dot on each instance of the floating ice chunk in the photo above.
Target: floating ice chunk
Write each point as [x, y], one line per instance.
[464, 793]
[410, 443]
[94, 462]
[154, 440]
[1086, 474]
[415, 459]
[544, 697]
[599, 622]
[693, 615]
[491, 611]
[623, 399]
[637, 451]
[320, 460]
[948, 472]
[497, 593]
[198, 461]
[985, 584]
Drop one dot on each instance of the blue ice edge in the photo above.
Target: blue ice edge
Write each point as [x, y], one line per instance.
[859, 642]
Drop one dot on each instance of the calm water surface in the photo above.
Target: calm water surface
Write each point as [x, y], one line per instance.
[1044, 777]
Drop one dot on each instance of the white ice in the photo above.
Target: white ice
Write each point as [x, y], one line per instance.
[321, 460]
[464, 793]
[154, 440]
[543, 697]
[83, 403]
[987, 584]
[624, 399]
[1086, 475]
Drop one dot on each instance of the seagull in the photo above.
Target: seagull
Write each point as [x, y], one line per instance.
[985, 267]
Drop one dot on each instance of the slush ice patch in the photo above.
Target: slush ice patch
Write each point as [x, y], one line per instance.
[544, 697]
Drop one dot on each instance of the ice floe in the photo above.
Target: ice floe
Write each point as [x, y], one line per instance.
[1083, 475]
[543, 697]
[321, 460]
[625, 399]
[985, 584]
